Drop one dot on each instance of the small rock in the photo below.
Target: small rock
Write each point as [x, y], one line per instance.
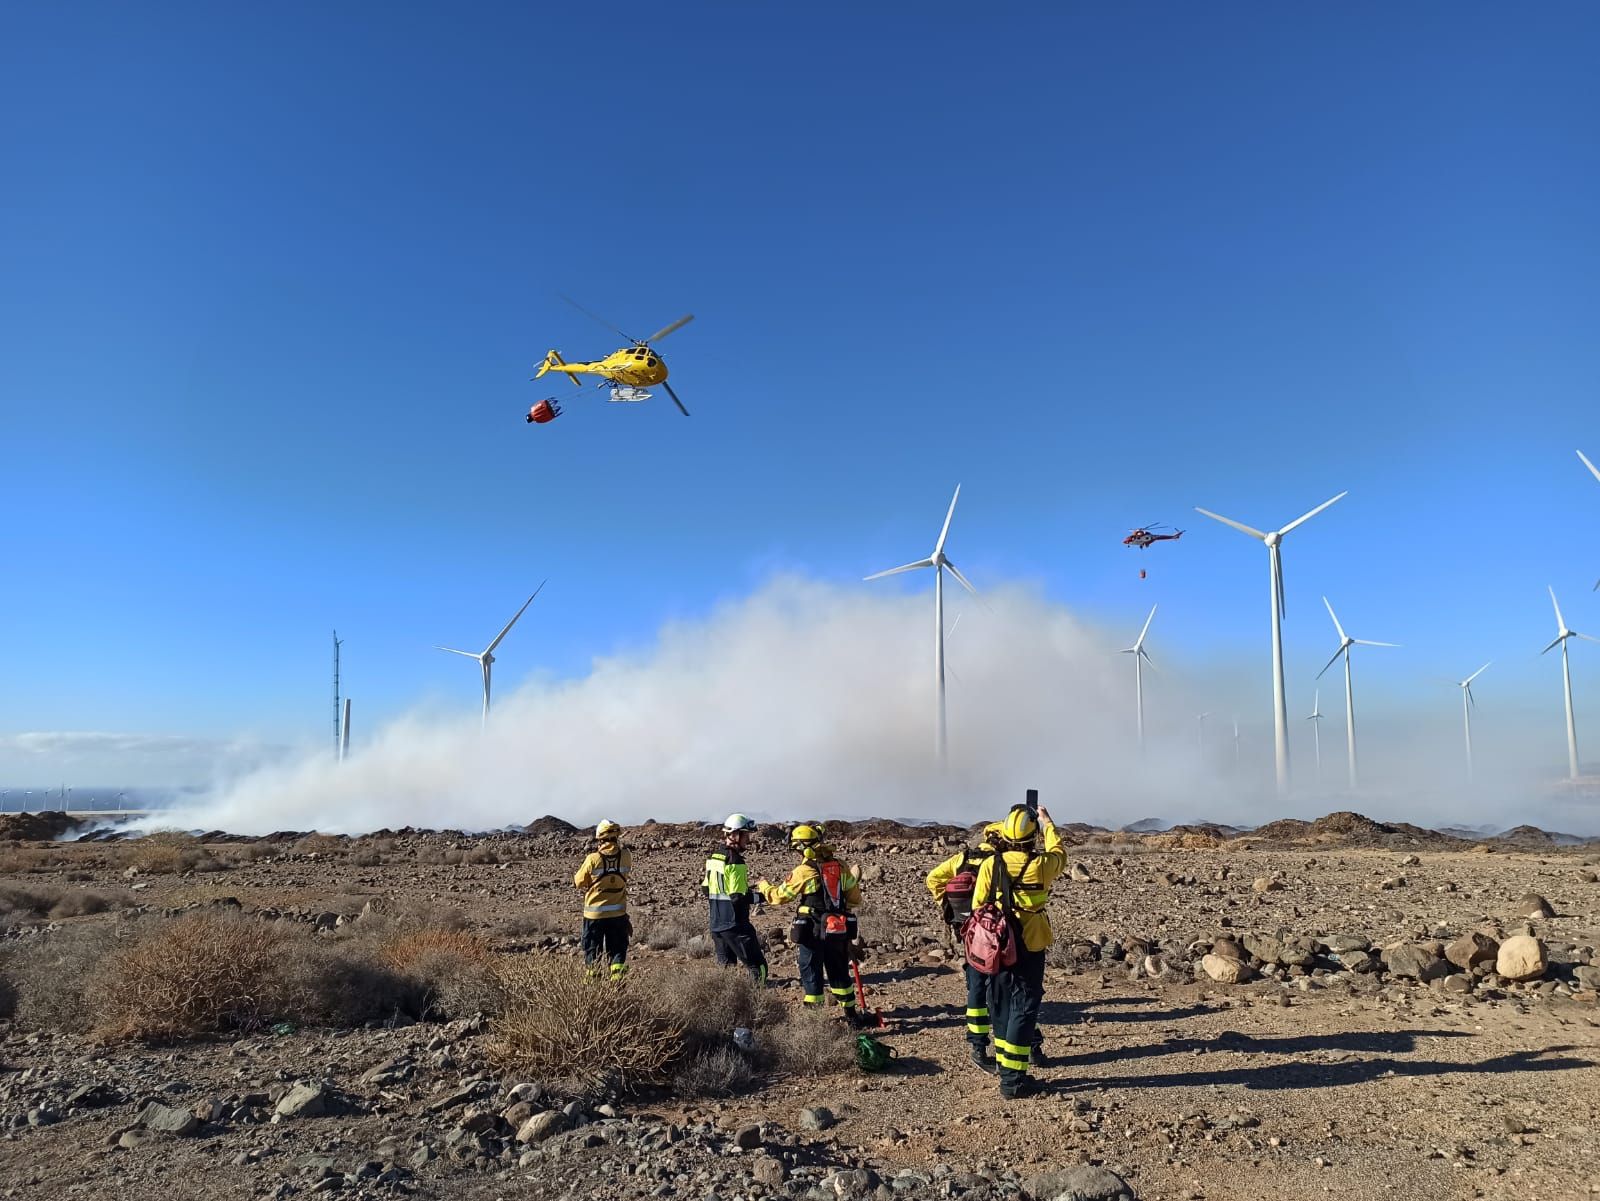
[303, 1101]
[1080, 1183]
[541, 1126]
[1226, 971]
[1533, 905]
[768, 1170]
[1472, 949]
[747, 1137]
[816, 1118]
[164, 1119]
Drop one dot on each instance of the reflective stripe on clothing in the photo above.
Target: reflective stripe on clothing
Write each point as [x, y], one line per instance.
[1010, 1055]
[1031, 877]
[604, 877]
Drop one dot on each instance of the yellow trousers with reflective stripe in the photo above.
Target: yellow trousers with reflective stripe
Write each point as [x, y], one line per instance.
[1015, 994]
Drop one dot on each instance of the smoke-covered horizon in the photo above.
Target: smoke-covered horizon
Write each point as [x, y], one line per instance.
[806, 698]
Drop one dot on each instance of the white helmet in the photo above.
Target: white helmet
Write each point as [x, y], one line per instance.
[607, 829]
[737, 822]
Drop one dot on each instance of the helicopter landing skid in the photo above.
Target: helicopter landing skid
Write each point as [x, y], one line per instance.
[623, 394]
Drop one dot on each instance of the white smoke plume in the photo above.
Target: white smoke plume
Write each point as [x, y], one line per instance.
[810, 700]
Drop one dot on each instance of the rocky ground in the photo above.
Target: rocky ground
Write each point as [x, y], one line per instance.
[1351, 1011]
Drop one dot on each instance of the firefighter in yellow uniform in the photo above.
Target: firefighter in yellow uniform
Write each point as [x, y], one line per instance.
[952, 884]
[604, 879]
[828, 894]
[1016, 992]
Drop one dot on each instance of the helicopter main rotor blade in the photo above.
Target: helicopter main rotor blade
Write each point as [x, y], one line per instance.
[662, 333]
[594, 316]
[675, 399]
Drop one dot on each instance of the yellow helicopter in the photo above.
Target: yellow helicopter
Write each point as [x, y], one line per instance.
[631, 370]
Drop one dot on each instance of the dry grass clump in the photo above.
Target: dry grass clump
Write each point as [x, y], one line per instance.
[538, 922]
[669, 1027]
[556, 1023]
[318, 845]
[166, 853]
[199, 973]
[56, 903]
[80, 902]
[33, 901]
[51, 979]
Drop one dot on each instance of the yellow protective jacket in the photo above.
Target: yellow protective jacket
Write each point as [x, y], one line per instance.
[805, 885]
[1031, 873]
[604, 879]
[946, 871]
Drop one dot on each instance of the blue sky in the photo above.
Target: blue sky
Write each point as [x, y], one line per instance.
[274, 281]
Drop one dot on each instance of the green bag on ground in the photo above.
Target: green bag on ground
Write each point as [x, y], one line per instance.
[872, 1055]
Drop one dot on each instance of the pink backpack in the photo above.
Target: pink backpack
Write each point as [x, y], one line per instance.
[991, 934]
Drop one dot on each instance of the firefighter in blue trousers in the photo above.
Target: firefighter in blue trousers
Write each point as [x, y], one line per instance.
[1016, 992]
[729, 896]
[952, 884]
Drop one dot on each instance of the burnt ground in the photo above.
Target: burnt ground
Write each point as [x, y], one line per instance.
[1324, 1082]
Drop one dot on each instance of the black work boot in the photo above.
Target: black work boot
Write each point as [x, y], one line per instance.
[1016, 1086]
[1038, 1057]
[980, 1056]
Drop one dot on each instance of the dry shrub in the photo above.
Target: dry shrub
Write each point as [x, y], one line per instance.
[366, 858]
[810, 1043]
[22, 860]
[452, 970]
[716, 1072]
[157, 854]
[79, 902]
[35, 901]
[554, 1022]
[680, 931]
[53, 977]
[483, 855]
[318, 845]
[341, 984]
[199, 973]
[537, 922]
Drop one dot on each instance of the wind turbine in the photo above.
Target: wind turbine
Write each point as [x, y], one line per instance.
[1201, 718]
[1236, 743]
[1345, 643]
[1467, 705]
[1316, 729]
[940, 564]
[1566, 675]
[1280, 713]
[485, 658]
[1140, 657]
[1594, 471]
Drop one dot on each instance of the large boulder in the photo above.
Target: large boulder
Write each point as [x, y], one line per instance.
[1411, 962]
[1521, 957]
[1263, 946]
[1225, 970]
[1080, 1183]
[1472, 949]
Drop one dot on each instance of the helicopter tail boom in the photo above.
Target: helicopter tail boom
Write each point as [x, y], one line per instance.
[554, 360]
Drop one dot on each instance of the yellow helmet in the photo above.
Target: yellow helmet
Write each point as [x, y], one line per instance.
[607, 829]
[805, 837]
[1020, 826]
[993, 828]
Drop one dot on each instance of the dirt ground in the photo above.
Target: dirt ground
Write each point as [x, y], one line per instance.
[1327, 1084]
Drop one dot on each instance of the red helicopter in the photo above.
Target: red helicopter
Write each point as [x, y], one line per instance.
[1145, 536]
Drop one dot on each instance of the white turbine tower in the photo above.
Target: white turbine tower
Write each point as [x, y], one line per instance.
[940, 564]
[1467, 706]
[1562, 634]
[1280, 712]
[485, 657]
[1315, 718]
[1201, 719]
[1345, 643]
[1140, 657]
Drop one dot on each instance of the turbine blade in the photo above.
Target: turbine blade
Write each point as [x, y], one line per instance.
[1560, 622]
[1553, 644]
[1335, 617]
[1140, 640]
[1331, 661]
[1238, 525]
[1308, 516]
[898, 570]
[945, 532]
[956, 571]
[1593, 470]
[513, 621]
[678, 324]
[1472, 701]
[1476, 674]
[1283, 608]
[1145, 655]
[1364, 642]
[1585, 637]
[453, 651]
